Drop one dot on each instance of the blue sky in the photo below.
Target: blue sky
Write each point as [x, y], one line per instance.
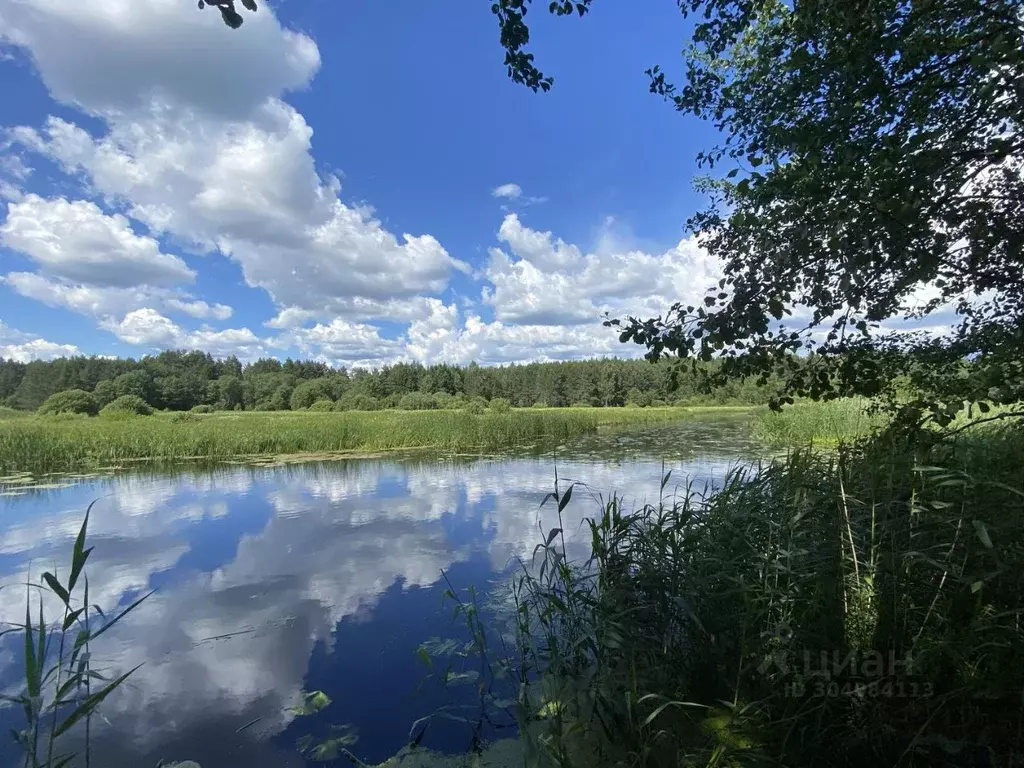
[353, 181]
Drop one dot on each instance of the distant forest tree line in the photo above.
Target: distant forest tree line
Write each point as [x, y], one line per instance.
[178, 381]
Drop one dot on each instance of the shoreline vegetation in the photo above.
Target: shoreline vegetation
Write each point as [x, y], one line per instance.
[73, 442]
[857, 605]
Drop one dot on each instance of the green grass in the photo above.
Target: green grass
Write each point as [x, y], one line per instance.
[58, 444]
[816, 423]
[875, 553]
[829, 424]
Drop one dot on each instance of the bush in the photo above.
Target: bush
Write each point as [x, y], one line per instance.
[581, 405]
[417, 401]
[322, 405]
[203, 409]
[476, 406]
[658, 404]
[540, 404]
[105, 392]
[357, 402]
[127, 405]
[443, 400]
[70, 401]
[185, 417]
[500, 405]
[309, 392]
[638, 398]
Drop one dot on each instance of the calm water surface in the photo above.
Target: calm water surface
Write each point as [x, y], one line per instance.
[308, 577]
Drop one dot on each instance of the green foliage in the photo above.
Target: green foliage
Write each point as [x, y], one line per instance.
[105, 392]
[70, 401]
[308, 392]
[868, 151]
[476, 406]
[203, 409]
[854, 608]
[230, 392]
[127, 405]
[638, 398]
[312, 702]
[322, 405]
[62, 688]
[500, 405]
[819, 423]
[47, 445]
[182, 381]
[417, 401]
[136, 383]
[354, 401]
[185, 417]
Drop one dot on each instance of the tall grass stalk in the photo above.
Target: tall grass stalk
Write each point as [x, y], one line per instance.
[855, 608]
[817, 423]
[58, 670]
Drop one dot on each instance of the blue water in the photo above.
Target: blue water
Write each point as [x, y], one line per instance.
[328, 577]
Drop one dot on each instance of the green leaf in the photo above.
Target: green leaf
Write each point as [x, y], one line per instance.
[71, 618]
[56, 588]
[121, 615]
[425, 657]
[32, 676]
[564, 501]
[87, 706]
[312, 702]
[79, 553]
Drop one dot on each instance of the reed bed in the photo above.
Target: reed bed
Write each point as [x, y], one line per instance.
[65, 443]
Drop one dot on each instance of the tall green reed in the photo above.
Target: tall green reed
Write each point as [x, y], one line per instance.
[62, 686]
[861, 607]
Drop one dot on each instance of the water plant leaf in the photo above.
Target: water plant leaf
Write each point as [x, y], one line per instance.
[32, 680]
[312, 702]
[425, 657]
[71, 618]
[121, 615]
[91, 702]
[56, 587]
[564, 501]
[79, 554]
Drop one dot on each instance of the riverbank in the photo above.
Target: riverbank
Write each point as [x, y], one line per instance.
[817, 424]
[851, 607]
[44, 444]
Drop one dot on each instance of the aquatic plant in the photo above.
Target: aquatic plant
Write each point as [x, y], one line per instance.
[62, 687]
[857, 607]
[823, 423]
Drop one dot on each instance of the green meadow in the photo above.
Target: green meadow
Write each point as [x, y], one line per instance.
[72, 442]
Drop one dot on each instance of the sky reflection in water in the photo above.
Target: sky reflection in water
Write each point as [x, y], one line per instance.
[317, 576]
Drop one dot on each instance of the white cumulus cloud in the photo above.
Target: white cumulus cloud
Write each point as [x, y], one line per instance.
[79, 242]
[148, 328]
[24, 347]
